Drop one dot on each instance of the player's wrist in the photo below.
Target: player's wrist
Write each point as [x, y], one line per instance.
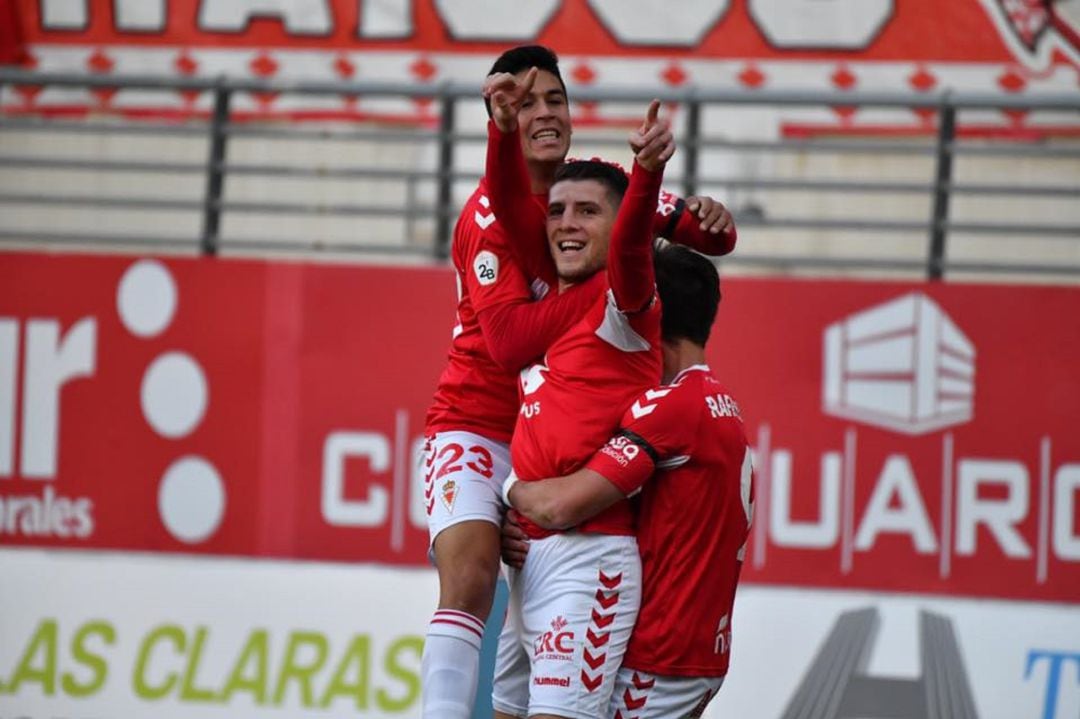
[508, 484]
[504, 123]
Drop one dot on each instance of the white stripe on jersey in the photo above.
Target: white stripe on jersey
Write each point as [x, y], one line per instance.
[673, 462]
[616, 329]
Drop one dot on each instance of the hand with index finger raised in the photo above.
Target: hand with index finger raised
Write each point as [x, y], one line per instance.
[637, 137]
[506, 95]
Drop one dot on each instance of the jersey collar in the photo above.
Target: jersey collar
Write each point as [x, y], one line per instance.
[691, 368]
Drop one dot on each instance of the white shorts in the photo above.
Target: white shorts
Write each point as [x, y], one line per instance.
[463, 476]
[650, 696]
[572, 609]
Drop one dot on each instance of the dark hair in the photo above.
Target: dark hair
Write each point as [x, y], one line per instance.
[610, 176]
[522, 57]
[689, 289]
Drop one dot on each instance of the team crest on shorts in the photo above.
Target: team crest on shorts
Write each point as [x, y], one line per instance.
[449, 494]
[556, 644]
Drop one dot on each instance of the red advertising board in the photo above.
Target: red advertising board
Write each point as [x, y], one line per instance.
[910, 437]
[913, 437]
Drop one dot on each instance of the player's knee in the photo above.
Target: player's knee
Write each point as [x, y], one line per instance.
[467, 556]
[469, 585]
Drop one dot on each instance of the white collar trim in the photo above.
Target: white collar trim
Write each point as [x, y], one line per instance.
[691, 368]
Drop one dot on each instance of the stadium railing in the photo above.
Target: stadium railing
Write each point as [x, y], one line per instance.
[444, 139]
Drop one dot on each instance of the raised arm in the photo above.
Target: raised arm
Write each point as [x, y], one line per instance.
[509, 186]
[630, 268]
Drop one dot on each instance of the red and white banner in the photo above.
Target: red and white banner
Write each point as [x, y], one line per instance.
[907, 437]
[884, 30]
[12, 48]
[997, 46]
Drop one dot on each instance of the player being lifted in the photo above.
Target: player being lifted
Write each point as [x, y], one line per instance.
[682, 445]
[577, 596]
[499, 329]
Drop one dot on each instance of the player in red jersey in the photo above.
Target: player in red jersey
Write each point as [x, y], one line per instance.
[578, 594]
[695, 512]
[469, 425]
[499, 328]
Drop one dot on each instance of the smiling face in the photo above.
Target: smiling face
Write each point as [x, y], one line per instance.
[579, 221]
[544, 120]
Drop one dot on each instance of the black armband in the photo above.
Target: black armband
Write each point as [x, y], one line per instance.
[641, 442]
[673, 221]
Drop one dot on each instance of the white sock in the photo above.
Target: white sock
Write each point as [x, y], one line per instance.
[451, 662]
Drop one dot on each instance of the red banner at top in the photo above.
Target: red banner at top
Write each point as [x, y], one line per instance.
[1006, 47]
[909, 437]
[881, 30]
[12, 49]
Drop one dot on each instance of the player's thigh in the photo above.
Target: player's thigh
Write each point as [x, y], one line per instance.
[649, 696]
[580, 598]
[463, 476]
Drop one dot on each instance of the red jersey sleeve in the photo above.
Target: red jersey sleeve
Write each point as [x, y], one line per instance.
[517, 332]
[489, 270]
[630, 267]
[524, 215]
[674, 222]
[654, 434]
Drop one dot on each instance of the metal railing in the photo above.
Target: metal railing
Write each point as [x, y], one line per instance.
[220, 129]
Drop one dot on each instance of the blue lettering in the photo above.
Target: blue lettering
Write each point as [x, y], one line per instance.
[1053, 678]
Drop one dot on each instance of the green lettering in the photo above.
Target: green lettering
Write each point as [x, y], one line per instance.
[356, 655]
[99, 670]
[410, 677]
[142, 688]
[302, 673]
[254, 650]
[45, 640]
[189, 692]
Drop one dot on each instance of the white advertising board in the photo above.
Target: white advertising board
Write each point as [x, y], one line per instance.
[123, 636]
[860, 655]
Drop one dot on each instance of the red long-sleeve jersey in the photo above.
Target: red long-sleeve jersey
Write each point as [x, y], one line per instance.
[694, 519]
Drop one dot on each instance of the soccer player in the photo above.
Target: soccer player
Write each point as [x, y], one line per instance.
[499, 329]
[695, 511]
[579, 592]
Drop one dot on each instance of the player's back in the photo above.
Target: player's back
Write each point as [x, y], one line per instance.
[693, 524]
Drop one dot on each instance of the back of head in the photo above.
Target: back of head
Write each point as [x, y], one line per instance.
[689, 289]
[610, 176]
[521, 58]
